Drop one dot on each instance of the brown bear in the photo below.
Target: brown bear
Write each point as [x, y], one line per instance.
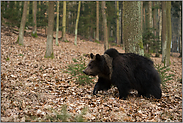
[126, 71]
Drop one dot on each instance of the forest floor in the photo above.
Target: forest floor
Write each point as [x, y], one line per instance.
[35, 89]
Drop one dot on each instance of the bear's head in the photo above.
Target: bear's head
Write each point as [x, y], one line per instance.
[93, 68]
[100, 65]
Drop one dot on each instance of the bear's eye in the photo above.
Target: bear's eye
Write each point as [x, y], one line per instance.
[89, 65]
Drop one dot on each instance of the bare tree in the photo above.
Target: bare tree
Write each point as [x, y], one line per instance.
[22, 25]
[34, 31]
[49, 44]
[168, 33]
[132, 27]
[117, 23]
[164, 39]
[64, 21]
[97, 16]
[77, 20]
[57, 28]
[106, 45]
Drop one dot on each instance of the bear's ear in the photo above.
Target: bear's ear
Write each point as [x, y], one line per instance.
[98, 57]
[91, 55]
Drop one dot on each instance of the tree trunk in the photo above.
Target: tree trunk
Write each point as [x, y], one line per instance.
[27, 11]
[77, 20]
[97, 26]
[122, 42]
[64, 22]
[149, 22]
[180, 31]
[164, 40]
[169, 33]
[34, 31]
[117, 24]
[22, 24]
[49, 44]
[132, 27]
[57, 28]
[155, 26]
[106, 45]
[160, 21]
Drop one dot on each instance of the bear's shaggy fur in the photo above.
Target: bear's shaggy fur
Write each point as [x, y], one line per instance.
[129, 71]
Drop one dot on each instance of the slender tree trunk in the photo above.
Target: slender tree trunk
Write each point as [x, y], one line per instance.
[57, 29]
[164, 39]
[180, 31]
[106, 45]
[132, 27]
[64, 22]
[117, 24]
[34, 31]
[150, 24]
[169, 33]
[122, 42]
[142, 16]
[77, 20]
[28, 11]
[22, 24]
[49, 44]
[97, 26]
[155, 27]
[160, 21]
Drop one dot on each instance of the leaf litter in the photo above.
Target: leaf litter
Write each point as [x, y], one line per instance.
[34, 88]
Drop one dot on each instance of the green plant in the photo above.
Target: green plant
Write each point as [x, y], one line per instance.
[162, 70]
[21, 55]
[7, 59]
[79, 117]
[76, 70]
[64, 116]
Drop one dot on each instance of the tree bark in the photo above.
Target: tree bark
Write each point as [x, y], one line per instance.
[64, 22]
[27, 11]
[164, 40]
[169, 33]
[49, 44]
[57, 28]
[180, 32]
[106, 45]
[22, 24]
[155, 26]
[132, 27]
[77, 20]
[97, 26]
[117, 24]
[34, 31]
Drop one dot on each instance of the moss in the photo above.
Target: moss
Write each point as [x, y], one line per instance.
[51, 56]
[34, 35]
[141, 45]
[96, 41]
[17, 40]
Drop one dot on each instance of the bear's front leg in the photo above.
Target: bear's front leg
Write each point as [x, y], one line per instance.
[96, 88]
[102, 84]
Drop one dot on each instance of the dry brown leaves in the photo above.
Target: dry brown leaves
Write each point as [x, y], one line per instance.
[33, 87]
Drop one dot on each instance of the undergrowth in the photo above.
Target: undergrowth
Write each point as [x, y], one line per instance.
[76, 70]
[162, 70]
[64, 116]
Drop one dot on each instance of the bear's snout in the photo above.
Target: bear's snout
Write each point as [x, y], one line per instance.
[84, 72]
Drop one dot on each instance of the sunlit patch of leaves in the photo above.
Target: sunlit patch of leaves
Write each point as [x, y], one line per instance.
[76, 70]
[162, 70]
